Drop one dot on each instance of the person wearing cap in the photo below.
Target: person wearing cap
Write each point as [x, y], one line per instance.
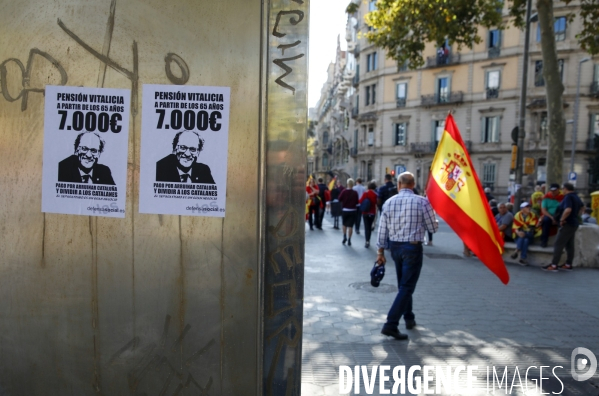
[404, 220]
[524, 229]
[569, 209]
[549, 205]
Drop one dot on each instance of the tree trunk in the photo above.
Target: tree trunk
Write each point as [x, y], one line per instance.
[554, 90]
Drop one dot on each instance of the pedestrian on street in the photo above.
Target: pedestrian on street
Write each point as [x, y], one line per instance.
[386, 191]
[322, 189]
[360, 189]
[313, 203]
[370, 214]
[335, 205]
[524, 230]
[404, 220]
[349, 203]
[569, 209]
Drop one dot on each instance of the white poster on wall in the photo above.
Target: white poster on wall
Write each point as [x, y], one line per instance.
[86, 136]
[184, 150]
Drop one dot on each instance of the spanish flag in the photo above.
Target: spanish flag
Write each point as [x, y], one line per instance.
[332, 183]
[457, 196]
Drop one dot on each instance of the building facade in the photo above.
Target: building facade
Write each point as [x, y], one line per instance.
[332, 117]
[398, 114]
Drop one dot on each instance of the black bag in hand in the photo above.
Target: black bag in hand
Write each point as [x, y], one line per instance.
[376, 274]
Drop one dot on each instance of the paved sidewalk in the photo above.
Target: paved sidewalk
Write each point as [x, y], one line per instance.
[465, 315]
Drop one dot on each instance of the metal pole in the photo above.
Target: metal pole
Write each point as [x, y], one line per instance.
[521, 124]
[576, 104]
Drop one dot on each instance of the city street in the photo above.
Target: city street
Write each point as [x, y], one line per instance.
[464, 314]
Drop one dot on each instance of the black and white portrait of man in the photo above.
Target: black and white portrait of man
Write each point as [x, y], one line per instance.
[82, 166]
[181, 166]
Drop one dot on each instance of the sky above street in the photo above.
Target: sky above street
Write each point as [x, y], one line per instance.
[327, 21]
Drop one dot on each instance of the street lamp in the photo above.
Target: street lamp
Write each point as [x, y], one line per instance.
[521, 132]
[576, 104]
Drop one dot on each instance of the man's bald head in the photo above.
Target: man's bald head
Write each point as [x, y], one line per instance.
[406, 180]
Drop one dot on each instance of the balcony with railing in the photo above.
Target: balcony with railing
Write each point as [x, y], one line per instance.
[591, 144]
[401, 102]
[354, 112]
[494, 52]
[442, 60]
[595, 89]
[423, 147]
[442, 99]
[353, 151]
[492, 93]
[431, 147]
[356, 80]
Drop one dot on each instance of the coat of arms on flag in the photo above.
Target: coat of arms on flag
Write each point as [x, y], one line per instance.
[454, 173]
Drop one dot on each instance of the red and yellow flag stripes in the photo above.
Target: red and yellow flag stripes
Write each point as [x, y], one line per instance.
[457, 196]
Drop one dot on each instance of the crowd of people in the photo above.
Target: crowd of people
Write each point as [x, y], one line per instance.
[355, 204]
[558, 211]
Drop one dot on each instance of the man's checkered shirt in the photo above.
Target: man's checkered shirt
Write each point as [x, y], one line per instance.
[405, 218]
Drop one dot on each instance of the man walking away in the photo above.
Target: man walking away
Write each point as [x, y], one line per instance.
[359, 188]
[369, 214]
[349, 203]
[570, 208]
[404, 220]
[386, 191]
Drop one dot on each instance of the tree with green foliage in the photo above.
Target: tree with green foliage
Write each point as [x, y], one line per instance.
[404, 27]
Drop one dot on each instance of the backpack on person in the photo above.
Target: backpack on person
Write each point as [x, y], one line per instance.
[385, 194]
[365, 205]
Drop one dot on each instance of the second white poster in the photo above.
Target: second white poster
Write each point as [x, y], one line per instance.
[184, 146]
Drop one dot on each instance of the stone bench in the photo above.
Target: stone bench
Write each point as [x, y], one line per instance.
[586, 249]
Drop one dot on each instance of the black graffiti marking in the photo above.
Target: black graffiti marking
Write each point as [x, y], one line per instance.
[4, 73]
[298, 1]
[283, 47]
[199, 353]
[292, 20]
[155, 357]
[133, 76]
[288, 70]
[168, 60]
[25, 76]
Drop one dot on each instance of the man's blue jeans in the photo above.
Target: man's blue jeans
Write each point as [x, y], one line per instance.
[408, 263]
[522, 243]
